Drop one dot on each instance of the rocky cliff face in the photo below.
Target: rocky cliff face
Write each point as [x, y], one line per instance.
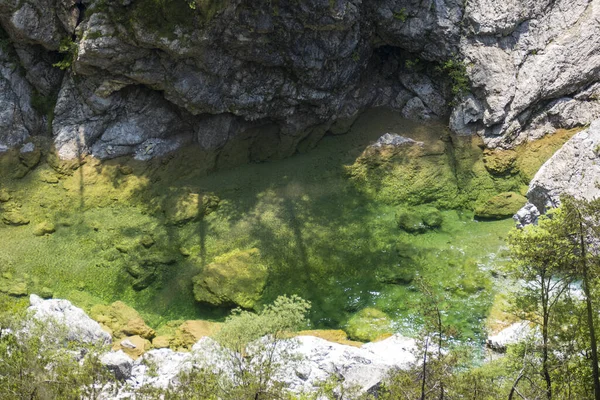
[533, 66]
[143, 77]
[572, 170]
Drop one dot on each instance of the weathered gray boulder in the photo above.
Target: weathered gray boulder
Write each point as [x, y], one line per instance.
[315, 360]
[73, 322]
[426, 28]
[515, 333]
[133, 120]
[425, 89]
[40, 22]
[119, 363]
[364, 367]
[167, 363]
[416, 110]
[395, 140]
[284, 70]
[574, 169]
[465, 115]
[528, 214]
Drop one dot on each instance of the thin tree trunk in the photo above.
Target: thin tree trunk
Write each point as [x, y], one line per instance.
[593, 344]
[514, 386]
[590, 312]
[424, 369]
[545, 321]
[440, 342]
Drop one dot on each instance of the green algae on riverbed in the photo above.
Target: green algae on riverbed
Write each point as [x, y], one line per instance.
[324, 223]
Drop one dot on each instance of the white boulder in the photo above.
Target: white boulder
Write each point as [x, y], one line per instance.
[76, 323]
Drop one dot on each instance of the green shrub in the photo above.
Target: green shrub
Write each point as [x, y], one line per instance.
[457, 72]
[39, 362]
[68, 48]
[254, 347]
[401, 15]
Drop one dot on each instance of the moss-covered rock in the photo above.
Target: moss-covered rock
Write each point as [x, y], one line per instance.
[458, 177]
[191, 331]
[162, 342]
[533, 155]
[500, 162]
[504, 205]
[48, 177]
[135, 270]
[22, 285]
[184, 209]
[4, 196]
[44, 228]
[30, 155]
[368, 325]
[133, 346]
[418, 219]
[20, 171]
[396, 274]
[144, 265]
[409, 221]
[14, 218]
[14, 287]
[432, 217]
[144, 275]
[406, 174]
[121, 320]
[237, 278]
[45, 292]
[147, 241]
[137, 326]
[144, 280]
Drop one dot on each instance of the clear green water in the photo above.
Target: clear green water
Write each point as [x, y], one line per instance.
[321, 236]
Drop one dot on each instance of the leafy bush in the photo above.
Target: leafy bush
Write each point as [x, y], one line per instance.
[401, 15]
[254, 348]
[457, 72]
[38, 362]
[68, 48]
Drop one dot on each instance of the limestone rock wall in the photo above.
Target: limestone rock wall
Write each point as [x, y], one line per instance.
[143, 77]
[534, 66]
[572, 170]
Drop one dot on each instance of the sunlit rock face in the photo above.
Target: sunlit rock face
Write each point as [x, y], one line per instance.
[533, 66]
[572, 170]
[143, 79]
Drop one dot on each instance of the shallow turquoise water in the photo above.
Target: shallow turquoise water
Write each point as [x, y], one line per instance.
[321, 237]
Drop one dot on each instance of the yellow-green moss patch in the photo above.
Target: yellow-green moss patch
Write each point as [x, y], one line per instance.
[331, 335]
[237, 278]
[500, 206]
[368, 324]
